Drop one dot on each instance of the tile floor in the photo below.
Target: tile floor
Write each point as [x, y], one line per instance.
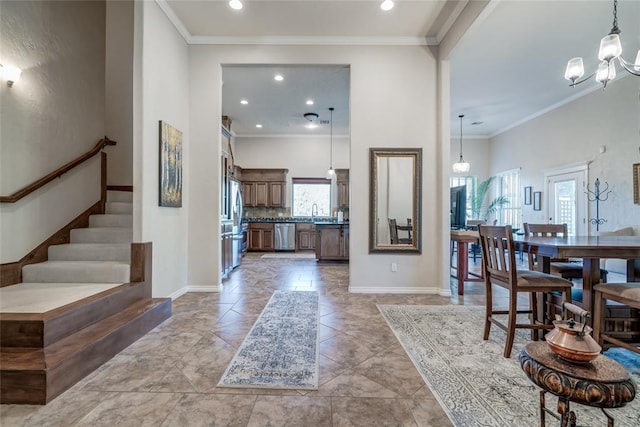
[169, 377]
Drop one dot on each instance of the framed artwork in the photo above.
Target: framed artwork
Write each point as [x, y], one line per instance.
[636, 183]
[170, 166]
[537, 200]
[527, 195]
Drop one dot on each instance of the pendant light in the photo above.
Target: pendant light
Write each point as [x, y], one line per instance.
[331, 171]
[461, 166]
[610, 49]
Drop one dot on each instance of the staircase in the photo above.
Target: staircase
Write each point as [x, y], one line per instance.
[44, 353]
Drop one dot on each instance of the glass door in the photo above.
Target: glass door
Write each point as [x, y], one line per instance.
[566, 201]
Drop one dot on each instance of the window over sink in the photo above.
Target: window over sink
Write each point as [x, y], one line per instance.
[311, 197]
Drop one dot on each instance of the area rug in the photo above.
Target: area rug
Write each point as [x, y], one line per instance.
[290, 255]
[281, 349]
[474, 384]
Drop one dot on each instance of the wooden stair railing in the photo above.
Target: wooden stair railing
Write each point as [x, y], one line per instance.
[57, 173]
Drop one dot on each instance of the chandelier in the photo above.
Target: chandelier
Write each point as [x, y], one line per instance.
[461, 166]
[610, 49]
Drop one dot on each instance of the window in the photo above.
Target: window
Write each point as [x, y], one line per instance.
[470, 182]
[508, 186]
[309, 193]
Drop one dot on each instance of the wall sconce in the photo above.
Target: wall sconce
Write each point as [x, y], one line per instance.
[10, 73]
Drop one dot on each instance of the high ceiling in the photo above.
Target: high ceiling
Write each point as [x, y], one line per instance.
[507, 69]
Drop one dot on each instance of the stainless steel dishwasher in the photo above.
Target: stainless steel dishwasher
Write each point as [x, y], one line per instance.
[285, 236]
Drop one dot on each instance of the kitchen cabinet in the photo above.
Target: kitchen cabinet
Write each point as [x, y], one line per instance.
[305, 237]
[332, 242]
[264, 187]
[342, 182]
[260, 237]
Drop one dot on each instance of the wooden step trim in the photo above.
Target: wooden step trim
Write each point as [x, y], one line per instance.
[36, 376]
[43, 329]
[128, 188]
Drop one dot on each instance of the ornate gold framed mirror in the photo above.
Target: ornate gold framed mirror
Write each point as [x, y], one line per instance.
[395, 198]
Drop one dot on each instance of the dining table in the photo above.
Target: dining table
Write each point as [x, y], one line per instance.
[462, 239]
[588, 248]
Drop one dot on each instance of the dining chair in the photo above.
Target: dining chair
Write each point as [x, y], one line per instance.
[567, 269]
[500, 268]
[393, 233]
[622, 293]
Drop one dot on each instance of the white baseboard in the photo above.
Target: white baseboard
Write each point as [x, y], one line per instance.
[178, 293]
[396, 290]
[204, 288]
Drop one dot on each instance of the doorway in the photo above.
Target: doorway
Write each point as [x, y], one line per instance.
[566, 199]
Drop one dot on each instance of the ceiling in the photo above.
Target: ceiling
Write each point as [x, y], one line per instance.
[507, 69]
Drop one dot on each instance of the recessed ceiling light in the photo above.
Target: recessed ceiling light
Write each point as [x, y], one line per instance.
[244, 102]
[235, 4]
[278, 77]
[258, 125]
[309, 101]
[386, 5]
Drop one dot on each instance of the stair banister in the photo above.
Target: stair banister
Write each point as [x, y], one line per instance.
[57, 173]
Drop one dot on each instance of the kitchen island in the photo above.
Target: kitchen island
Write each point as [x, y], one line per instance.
[332, 241]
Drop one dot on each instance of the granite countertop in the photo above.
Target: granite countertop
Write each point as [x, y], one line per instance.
[296, 219]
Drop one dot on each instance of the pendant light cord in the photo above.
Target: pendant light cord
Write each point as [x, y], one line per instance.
[461, 116]
[331, 139]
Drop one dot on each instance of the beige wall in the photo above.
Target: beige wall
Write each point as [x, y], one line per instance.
[119, 90]
[573, 133]
[393, 103]
[163, 88]
[53, 114]
[305, 157]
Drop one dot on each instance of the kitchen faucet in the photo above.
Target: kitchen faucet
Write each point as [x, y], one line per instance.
[314, 210]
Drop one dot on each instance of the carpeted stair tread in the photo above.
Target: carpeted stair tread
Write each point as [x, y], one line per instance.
[111, 220]
[77, 271]
[102, 235]
[118, 208]
[90, 252]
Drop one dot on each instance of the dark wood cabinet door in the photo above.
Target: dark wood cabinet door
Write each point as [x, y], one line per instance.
[255, 240]
[330, 243]
[267, 240]
[248, 194]
[276, 194]
[261, 194]
[343, 194]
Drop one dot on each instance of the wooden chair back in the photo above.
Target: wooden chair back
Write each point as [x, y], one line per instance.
[393, 231]
[498, 254]
[544, 230]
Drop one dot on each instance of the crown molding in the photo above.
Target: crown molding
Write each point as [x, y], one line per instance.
[450, 20]
[287, 136]
[314, 41]
[168, 11]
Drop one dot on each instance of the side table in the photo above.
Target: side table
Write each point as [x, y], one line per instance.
[602, 383]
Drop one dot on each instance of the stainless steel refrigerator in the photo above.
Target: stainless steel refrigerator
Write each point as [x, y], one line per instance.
[236, 216]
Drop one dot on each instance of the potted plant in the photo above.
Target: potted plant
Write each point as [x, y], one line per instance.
[479, 208]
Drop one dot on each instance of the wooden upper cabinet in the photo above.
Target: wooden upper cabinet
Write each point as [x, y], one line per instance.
[264, 187]
[342, 182]
[262, 194]
[276, 194]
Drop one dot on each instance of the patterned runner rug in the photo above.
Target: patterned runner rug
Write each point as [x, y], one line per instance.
[281, 349]
[475, 385]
